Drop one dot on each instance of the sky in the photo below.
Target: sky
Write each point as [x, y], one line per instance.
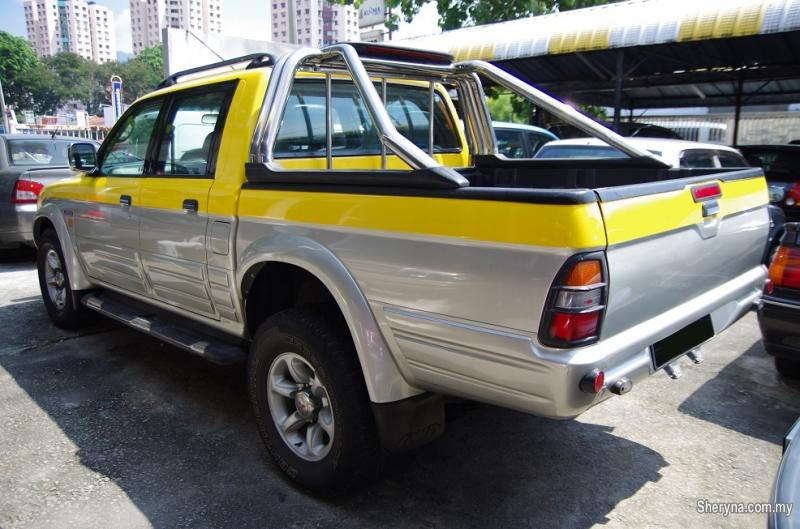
[242, 18]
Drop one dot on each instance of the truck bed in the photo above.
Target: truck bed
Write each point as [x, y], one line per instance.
[493, 172]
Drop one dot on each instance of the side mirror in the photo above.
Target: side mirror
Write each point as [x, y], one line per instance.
[82, 157]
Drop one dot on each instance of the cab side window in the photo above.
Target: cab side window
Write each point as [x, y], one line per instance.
[510, 143]
[303, 130]
[126, 151]
[191, 133]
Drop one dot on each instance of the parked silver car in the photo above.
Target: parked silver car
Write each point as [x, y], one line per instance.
[27, 163]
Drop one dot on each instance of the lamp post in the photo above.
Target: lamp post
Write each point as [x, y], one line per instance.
[3, 109]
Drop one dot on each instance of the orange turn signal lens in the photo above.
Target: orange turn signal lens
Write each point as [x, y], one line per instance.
[585, 273]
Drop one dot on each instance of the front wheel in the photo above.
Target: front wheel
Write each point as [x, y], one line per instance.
[310, 401]
[63, 305]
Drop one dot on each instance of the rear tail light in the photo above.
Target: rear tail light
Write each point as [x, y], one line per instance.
[784, 270]
[26, 192]
[793, 195]
[576, 304]
[706, 191]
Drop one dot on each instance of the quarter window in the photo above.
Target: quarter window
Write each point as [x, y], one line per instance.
[127, 148]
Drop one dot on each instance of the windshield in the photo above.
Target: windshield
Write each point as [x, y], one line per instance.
[38, 152]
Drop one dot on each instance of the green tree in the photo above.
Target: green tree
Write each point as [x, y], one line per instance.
[74, 74]
[454, 14]
[16, 58]
[153, 58]
[41, 90]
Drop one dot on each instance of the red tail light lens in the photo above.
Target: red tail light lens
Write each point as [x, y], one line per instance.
[793, 195]
[26, 192]
[570, 327]
[706, 191]
[576, 303]
[784, 270]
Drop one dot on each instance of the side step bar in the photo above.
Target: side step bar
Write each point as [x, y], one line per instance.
[211, 349]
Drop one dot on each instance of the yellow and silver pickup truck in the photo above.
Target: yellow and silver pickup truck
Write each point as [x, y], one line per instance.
[332, 219]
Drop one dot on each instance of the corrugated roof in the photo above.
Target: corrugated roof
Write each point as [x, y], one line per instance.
[672, 52]
[619, 25]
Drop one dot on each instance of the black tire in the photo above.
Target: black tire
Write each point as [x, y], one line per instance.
[787, 367]
[321, 338]
[71, 315]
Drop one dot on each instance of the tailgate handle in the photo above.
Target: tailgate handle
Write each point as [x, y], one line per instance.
[190, 205]
[125, 200]
[710, 208]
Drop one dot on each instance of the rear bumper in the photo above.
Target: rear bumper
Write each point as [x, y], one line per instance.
[16, 225]
[514, 371]
[779, 320]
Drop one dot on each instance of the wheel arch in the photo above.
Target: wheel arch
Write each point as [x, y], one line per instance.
[49, 216]
[287, 259]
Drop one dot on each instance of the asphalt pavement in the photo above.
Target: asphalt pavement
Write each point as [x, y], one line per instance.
[107, 428]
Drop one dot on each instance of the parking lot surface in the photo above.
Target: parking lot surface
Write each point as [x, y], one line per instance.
[108, 428]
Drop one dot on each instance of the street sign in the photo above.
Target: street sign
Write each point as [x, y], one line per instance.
[371, 13]
[116, 96]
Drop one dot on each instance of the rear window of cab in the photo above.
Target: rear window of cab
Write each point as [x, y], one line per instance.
[303, 128]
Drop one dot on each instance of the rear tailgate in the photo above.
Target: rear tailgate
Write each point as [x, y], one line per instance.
[662, 250]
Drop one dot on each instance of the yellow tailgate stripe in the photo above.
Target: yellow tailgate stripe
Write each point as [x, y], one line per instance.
[554, 225]
[633, 218]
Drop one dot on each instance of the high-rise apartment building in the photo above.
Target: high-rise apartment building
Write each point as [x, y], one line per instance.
[77, 26]
[101, 27]
[148, 17]
[318, 22]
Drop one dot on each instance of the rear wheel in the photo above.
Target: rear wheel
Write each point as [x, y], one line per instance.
[62, 303]
[310, 401]
[787, 367]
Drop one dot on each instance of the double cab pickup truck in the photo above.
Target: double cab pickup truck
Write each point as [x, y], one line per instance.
[331, 218]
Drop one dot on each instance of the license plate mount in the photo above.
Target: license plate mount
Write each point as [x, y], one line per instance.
[681, 342]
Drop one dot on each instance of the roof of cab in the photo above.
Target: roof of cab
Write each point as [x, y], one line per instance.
[211, 78]
[522, 126]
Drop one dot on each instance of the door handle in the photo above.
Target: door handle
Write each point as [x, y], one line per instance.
[190, 205]
[125, 200]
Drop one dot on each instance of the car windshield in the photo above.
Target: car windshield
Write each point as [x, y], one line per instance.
[38, 152]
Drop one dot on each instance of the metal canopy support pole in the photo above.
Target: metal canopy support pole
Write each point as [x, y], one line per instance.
[630, 111]
[328, 121]
[737, 117]
[618, 76]
[3, 110]
[430, 118]
[383, 145]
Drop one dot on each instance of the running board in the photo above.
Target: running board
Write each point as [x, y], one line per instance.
[211, 349]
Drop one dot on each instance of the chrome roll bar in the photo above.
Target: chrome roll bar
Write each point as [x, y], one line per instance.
[277, 95]
[556, 107]
[341, 58]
